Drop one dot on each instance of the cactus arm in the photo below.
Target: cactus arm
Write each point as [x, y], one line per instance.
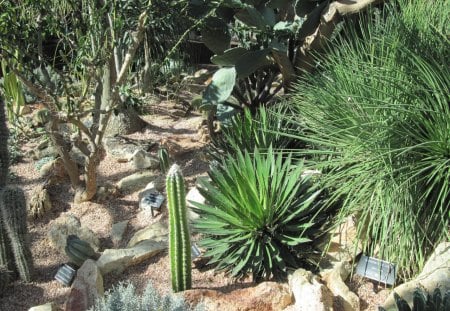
[179, 237]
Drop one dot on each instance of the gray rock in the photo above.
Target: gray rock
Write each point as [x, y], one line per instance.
[309, 293]
[123, 150]
[435, 273]
[142, 160]
[194, 196]
[334, 278]
[118, 230]
[67, 225]
[118, 260]
[156, 232]
[46, 307]
[136, 181]
[159, 184]
[86, 288]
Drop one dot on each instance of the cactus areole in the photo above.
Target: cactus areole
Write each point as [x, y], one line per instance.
[179, 240]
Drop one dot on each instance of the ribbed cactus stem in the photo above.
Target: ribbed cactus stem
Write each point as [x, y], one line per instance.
[164, 160]
[14, 218]
[179, 237]
[4, 158]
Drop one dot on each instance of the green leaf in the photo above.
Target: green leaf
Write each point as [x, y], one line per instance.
[229, 57]
[252, 61]
[215, 35]
[304, 7]
[312, 21]
[221, 86]
[253, 18]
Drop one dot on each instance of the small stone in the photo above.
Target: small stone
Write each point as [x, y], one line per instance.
[136, 181]
[86, 289]
[118, 260]
[335, 280]
[47, 307]
[309, 293]
[156, 232]
[143, 160]
[122, 150]
[118, 230]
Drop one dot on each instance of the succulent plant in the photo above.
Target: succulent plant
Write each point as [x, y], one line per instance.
[164, 159]
[79, 251]
[14, 218]
[179, 237]
[422, 301]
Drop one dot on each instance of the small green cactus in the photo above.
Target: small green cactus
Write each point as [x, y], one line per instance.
[179, 237]
[79, 251]
[164, 159]
[14, 217]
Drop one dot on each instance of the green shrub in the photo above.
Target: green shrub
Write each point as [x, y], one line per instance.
[261, 214]
[378, 120]
[422, 301]
[123, 297]
[249, 130]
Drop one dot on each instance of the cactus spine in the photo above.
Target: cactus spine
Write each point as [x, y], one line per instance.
[13, 214]
[179, 237]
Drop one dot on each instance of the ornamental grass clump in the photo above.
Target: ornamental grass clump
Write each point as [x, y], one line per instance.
[378, 119]
[261, 214]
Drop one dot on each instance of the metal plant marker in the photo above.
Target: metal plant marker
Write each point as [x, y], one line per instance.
[376, 269]
[195, 252]
[153, 201]
[65, 275]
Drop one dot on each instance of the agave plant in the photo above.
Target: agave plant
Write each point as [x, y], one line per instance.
[378, 124]
[261, 214]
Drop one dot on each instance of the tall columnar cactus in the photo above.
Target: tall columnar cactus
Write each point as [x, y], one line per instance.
[164, 159]
[14, 217]
[4, 158]
[179, 237]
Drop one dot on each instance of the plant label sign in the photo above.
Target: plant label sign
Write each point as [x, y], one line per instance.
[376, 269]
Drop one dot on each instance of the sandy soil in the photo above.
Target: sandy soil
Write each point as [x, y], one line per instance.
[181, 134]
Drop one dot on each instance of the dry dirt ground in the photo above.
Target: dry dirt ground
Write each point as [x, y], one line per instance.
[181, 132]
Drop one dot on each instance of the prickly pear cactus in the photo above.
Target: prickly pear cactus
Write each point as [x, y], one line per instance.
[179, 237]
[14, 218]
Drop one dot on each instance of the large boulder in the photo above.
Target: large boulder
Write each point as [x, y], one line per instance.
[267, 296]
[122, 150]
[435, 273]
[71, 225]
[157, 232]
[136, 181]
[86, 288]
[118, 260]
[309, 293]
[142, 159]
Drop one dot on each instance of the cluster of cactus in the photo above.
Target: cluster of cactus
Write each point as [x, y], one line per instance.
[15, 253]
[179, 237]
[5, 278]
[79, 251]
[423, 301]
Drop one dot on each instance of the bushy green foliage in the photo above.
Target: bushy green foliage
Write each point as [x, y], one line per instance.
[249, 131]
[123, 297]
[261, 214]
[422, 301]
[377, 116]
